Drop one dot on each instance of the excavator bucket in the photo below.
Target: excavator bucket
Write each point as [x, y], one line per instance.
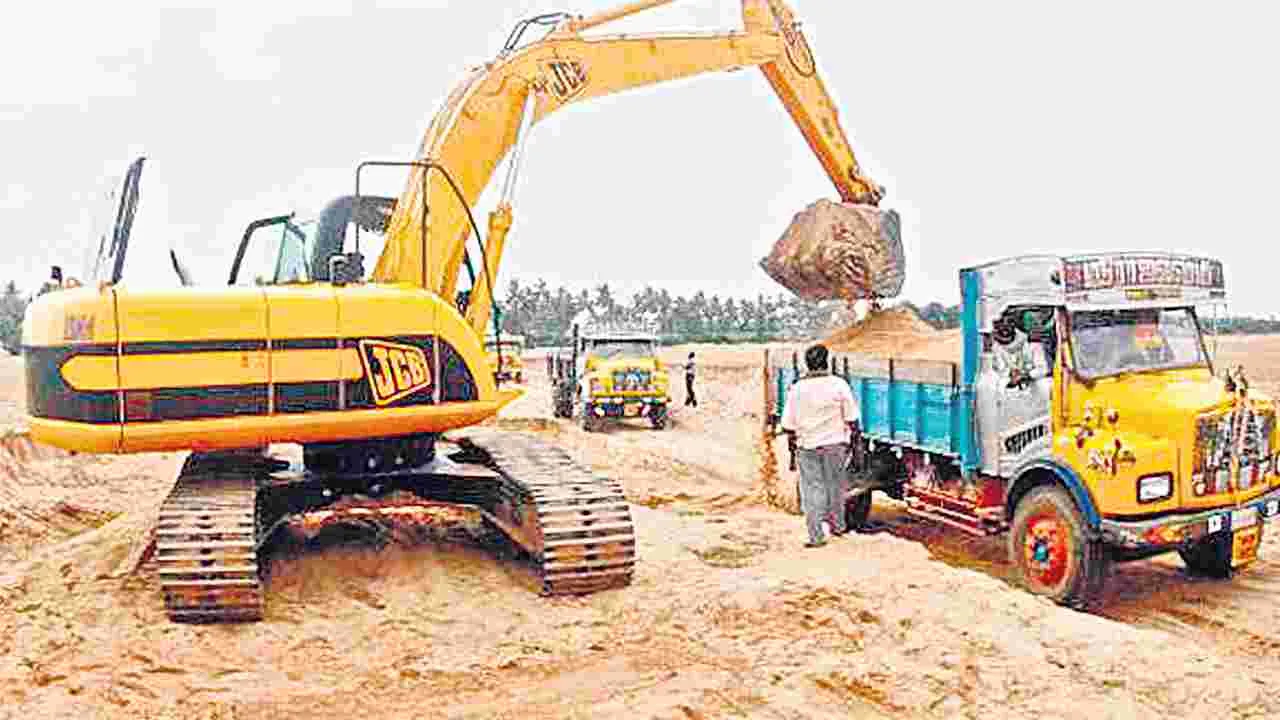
[839, 251]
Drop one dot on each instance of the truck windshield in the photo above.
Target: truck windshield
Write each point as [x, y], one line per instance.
[622, 348]
[1109, 342]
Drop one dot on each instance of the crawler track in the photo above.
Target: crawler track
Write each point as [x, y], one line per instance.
[576, 524]
[207, 542]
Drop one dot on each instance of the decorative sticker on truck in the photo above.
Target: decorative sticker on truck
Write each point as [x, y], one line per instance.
[1114, 272]
[1232, 450]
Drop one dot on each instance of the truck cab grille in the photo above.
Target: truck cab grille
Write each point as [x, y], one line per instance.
[632, 380]
[1232, 450]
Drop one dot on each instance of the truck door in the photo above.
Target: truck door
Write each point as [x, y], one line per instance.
[1018, 383]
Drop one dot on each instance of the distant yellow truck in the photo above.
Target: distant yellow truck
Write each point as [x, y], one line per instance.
[509, 363]
[610, 374]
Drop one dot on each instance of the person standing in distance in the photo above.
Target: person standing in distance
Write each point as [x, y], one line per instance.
[689, 372]
[819, 419]
[53, 283]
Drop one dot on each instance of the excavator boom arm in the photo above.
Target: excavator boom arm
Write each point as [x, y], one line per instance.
[482, 117]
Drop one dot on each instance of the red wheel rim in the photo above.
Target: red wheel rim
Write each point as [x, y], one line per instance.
[1046, 549]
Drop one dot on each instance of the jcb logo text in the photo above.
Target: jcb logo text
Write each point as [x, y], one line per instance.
[562, 78]
[394, 370]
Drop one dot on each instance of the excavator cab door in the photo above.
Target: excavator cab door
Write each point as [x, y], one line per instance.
[273, 251]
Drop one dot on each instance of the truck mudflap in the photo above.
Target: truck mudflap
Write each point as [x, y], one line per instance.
[1174, 531]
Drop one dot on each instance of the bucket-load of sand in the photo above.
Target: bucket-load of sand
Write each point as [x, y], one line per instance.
[839, 251]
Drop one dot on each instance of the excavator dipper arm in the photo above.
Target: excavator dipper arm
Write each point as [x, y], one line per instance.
[482, 119]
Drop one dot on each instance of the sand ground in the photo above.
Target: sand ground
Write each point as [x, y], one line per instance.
[728, 615]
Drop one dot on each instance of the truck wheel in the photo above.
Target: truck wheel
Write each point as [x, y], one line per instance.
[857, 510]
[1210, 557]
[1050, 547]
[659, 420]
[588, 420]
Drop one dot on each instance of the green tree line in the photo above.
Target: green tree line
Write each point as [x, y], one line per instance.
[545, 315]
[12, 305]
[942, 317]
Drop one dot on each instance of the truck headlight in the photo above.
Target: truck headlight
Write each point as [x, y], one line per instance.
[1155, 487]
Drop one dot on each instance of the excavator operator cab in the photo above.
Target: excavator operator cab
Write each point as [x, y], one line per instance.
[273, 252]
[283, 250]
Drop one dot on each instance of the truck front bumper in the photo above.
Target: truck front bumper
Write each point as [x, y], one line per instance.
[628, 407]
[1183, 529]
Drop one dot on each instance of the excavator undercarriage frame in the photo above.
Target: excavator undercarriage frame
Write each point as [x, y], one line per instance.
[215, 527]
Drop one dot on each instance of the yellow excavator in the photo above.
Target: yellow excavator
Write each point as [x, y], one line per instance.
[367, 374]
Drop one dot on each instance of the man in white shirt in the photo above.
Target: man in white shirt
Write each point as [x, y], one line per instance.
[820, 417]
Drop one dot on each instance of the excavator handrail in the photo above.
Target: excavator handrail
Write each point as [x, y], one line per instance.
[513, 40]
[427, 166]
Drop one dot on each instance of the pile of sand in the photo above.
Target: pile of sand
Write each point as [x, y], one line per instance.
[48, 495]
[897, 332]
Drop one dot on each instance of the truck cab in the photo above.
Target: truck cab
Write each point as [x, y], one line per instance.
[1085, 418]
[611, 374]
[505, 357]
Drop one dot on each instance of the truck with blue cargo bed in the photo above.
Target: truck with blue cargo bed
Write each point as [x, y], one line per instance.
[1085, 419]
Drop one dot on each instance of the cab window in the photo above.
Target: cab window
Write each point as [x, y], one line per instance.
[274, 253]
[1109, 342]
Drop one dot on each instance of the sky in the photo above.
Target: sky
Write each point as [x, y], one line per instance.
[998, 127]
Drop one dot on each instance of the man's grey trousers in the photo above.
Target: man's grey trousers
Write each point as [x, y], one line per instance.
[822, 487]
